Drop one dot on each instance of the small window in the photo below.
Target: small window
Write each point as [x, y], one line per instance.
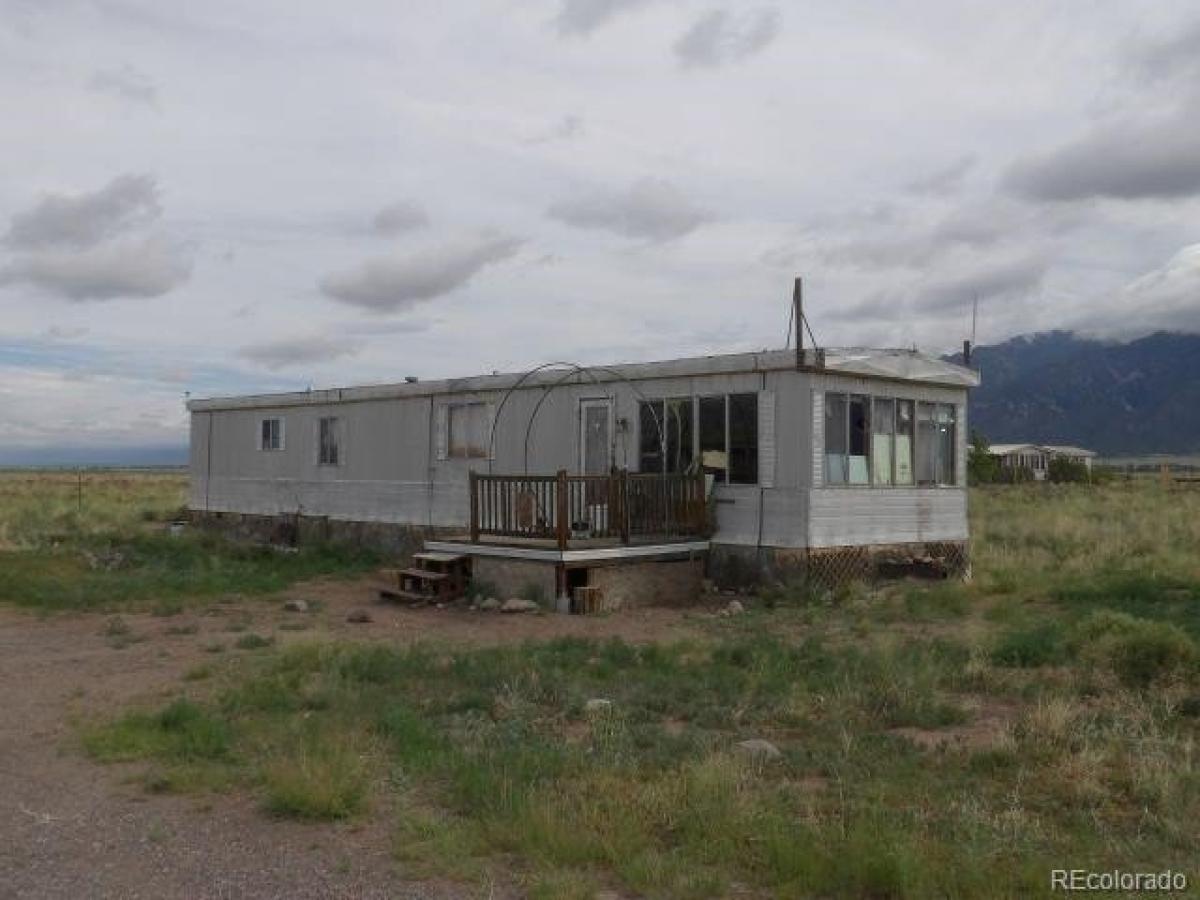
[743, 438]
[270, 435]
[468, 427]
[329, 441]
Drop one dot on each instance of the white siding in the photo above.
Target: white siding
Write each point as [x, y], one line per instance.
[843, 517]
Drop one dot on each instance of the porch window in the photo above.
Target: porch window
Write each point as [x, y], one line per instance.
[270, 434]
[904, 442]
[836, 439]
[743, 438]
[883, 419]
[329, 441]
[720, 433]
[887, 441]
[467, 431]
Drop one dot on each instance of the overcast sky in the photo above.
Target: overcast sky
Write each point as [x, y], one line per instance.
[225, 197]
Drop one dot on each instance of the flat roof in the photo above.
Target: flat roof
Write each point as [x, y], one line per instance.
[896, 365]
[1060, 449]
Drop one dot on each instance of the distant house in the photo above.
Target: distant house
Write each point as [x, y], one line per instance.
[1036, 457]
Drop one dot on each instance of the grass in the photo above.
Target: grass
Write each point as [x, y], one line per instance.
[113, 552]
[937, 739]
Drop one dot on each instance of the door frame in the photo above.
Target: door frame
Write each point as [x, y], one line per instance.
[610, 450]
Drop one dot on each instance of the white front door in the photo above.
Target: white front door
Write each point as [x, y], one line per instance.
[595, 436]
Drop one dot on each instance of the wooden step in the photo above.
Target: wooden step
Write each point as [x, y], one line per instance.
[436, 557]
[424, 574]
[406, 596]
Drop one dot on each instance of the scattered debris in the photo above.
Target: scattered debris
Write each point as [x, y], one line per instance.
[517, 605]
[708, 586]
[758, 748]
[105, 560]
[489, 605]
[360, 616]
[734, 608]
[597, 705]
[296, 605]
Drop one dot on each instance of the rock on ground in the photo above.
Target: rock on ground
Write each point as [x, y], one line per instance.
[517, 605]
[758, 748]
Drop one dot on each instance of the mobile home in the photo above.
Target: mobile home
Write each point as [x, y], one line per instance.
[746, 462]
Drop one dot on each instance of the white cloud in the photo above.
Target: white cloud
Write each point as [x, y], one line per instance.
[83, 220]
[721, 37]
[398, 217]
[146, 267]
[295, 352]
[651, 208]
[393, 283]
[127, 83]
[585, 16]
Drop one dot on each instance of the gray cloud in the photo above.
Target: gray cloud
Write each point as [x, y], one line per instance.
[579, 17]
[1165, 57]
[388, 284]
[1128, 160]
[399, 217]
[721, 37]
[945, 180]
[568, 127]
[127, 83]
[649, 208]
[145, 267]
[83, 220]
[300, 351]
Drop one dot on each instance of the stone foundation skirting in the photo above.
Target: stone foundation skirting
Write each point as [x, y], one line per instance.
[396, 541]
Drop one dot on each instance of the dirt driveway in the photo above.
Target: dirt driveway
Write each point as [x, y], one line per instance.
[71, 828]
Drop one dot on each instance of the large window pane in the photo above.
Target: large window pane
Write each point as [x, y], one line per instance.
[835, 439]
[713, 455]
[859, 468]
[650, 419]
[679, 434]
[904, 442]
[743, 438]
[927, 444]
[883, 419]
[947, 443]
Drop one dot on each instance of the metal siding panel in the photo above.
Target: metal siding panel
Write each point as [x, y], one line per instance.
[766, 439]
[841, 517]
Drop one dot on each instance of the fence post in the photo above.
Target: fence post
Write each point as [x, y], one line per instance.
[563, 506]
[474, 507]
[621, 482]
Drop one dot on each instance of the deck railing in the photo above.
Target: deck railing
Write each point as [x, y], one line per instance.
[621, 506]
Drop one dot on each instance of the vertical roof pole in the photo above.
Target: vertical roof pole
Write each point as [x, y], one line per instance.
[798, 315]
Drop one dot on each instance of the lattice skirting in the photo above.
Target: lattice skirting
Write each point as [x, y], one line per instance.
[835, 566]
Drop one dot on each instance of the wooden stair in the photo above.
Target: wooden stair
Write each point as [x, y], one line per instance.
[438, 578]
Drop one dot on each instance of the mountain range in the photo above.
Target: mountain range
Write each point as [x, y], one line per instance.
[1119, 399]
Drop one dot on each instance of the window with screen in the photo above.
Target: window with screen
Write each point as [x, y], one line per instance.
[743, 438]
[467, 426]
[270, 436]
[329, 441]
